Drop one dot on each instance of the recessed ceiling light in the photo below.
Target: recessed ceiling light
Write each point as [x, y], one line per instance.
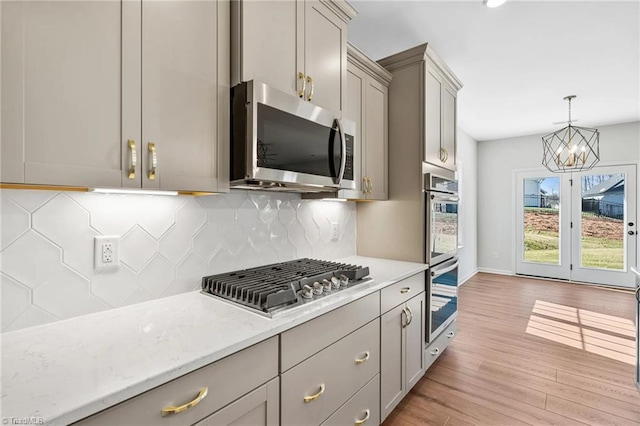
[493, 3]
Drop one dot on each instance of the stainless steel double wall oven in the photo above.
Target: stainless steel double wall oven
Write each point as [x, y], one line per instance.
[441, 225]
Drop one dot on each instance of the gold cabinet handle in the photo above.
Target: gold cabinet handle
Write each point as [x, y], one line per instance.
[410, 315]
[404, 290]
[435, 352]
[304, 84]
[153, 155]
[364, 359]
[167, 411]
[406, 315]
[367, 414]
[310, 80]
[315, 396]
[443, 157]
[370, 185]
[365, 185]
[133, 159]
[446, 155]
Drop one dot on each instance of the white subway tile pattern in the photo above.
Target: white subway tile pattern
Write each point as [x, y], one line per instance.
[168, 244]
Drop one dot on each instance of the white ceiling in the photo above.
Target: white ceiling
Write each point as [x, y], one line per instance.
[518, 61]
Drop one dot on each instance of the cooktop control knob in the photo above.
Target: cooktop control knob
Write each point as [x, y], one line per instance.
[307, 292]
[344, 281]
[317, 288]
[335, 283]
[326, 284]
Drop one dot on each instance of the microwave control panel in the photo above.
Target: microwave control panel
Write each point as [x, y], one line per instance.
[348, 167]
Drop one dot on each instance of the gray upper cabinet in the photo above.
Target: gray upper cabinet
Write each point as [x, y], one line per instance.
[101, 94]
[288, 45]
[367, 106]
[438, 88]
[61, 92]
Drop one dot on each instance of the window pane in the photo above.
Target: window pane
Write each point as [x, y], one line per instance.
[602, 237]
[542, 220]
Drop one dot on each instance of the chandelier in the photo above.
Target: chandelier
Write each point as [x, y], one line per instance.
[571, 148]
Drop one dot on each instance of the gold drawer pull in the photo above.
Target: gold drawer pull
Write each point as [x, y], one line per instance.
[364, 359]
[435, 352]
[304, 85]
[167, 411]
[367, 414]
[450, 334]
[405, 290]
[316, 396]
[133, 160]
[154, 160]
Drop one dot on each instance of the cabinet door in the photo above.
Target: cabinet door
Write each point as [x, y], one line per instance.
[258, 408]
[325, 55]
[375, 151]
[392, 355]
[414, 341]
[354, 111]
[433, 105]
[268, 43]
[449, 126]
[185, 75]
[62, 92]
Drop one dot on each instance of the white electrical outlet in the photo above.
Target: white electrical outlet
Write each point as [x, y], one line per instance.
[335, 231]
[106, 252]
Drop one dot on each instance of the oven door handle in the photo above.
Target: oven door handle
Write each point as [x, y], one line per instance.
[444, 197]
[437, 272]
[343, 159]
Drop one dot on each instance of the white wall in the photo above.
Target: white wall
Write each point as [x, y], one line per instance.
[467, 159]
[168, 245]
[497, 161]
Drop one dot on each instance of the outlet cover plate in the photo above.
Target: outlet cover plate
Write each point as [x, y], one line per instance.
[106, 252]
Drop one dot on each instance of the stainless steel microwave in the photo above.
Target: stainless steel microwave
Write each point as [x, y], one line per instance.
[282, 142]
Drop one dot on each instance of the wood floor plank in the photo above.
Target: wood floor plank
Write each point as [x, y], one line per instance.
[629, 394]
[585, 414]
[446, 375]
[496, 373]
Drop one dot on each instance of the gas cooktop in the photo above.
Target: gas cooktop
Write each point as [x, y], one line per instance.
[274, 288]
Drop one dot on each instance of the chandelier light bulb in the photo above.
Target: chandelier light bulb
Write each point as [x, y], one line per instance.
[493, 3]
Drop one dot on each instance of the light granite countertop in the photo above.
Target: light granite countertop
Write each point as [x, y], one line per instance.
[68, 370]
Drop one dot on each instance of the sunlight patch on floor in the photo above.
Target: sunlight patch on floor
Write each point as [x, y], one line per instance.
[583, 329]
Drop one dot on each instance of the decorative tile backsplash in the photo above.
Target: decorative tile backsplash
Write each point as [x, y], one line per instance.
[167, 245]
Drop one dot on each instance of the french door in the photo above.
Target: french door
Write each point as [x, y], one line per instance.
[578, 226]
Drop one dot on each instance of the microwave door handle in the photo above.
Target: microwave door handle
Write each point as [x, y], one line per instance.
[343, 159]
[438, 272]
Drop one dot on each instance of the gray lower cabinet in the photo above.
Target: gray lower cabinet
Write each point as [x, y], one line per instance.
[314, 389]
[401, 354]
[435, 348]
[199, 394]
[259, 408]
[363, 407]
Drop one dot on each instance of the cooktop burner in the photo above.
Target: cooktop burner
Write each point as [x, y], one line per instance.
[273, 288]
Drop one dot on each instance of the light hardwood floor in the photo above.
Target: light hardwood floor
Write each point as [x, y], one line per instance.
[531, 352]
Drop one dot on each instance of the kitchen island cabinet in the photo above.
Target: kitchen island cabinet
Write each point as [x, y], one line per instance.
[80, 109]
[298, 47]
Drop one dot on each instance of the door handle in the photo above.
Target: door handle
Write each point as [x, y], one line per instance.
[304, 84]
[153, 163]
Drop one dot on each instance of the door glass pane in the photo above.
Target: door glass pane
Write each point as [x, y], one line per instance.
[602, 237]
[542, 220]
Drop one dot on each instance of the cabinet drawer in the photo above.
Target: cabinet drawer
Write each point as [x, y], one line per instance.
[335, 373]
[311, 337]
[363, 407]
[400, 292]
[434, 350]
[227, 380]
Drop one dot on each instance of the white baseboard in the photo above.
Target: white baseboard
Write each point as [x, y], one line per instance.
[495, 271]
[465, 279]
